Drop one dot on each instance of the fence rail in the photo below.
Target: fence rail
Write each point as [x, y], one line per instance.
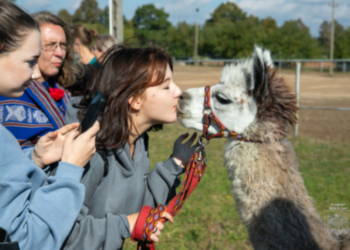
[279, 62]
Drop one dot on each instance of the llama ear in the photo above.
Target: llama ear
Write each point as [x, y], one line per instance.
[259, 76]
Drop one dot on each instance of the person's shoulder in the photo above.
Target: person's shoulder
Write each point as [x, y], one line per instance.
[6, 137]
[71, 110]
[10, 151]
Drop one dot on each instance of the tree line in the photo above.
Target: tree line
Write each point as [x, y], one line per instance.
[229, 33]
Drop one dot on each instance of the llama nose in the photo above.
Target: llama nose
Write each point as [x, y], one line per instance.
[185, 95]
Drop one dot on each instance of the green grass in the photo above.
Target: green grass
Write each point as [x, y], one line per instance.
[209, 219]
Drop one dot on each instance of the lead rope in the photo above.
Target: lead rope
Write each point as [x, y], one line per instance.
[149, 217]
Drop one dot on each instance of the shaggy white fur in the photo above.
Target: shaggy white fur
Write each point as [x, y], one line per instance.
[269, 191]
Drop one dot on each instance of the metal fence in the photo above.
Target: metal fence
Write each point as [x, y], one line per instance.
[340, 65]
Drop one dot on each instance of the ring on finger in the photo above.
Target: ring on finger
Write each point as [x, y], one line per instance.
[155, 230]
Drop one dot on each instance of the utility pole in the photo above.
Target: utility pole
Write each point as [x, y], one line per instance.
[116, 22]
[196, 39]
[332, 41]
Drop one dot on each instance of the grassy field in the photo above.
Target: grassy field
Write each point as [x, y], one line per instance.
[209, 219]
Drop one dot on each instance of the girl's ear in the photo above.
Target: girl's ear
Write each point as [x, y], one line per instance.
[135, 102]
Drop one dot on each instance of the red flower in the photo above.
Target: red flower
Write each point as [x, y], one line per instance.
[56, 94]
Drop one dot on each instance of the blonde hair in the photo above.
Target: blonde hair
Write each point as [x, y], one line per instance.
[104, 42]
[68, 72]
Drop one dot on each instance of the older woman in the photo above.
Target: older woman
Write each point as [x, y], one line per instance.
[42, 107]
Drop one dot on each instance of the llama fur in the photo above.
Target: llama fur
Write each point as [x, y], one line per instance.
[268, 189]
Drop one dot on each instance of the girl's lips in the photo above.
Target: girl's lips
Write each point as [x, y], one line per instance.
[57, 64]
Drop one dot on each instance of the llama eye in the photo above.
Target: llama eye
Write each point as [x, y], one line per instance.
[222, 99]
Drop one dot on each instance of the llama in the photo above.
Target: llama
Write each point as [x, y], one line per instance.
[271, 198]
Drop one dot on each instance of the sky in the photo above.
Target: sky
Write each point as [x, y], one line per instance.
[311, 12]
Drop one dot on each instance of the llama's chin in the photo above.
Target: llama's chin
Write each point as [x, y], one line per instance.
[189, 123]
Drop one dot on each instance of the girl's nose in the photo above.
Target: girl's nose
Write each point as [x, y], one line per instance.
[36, 74]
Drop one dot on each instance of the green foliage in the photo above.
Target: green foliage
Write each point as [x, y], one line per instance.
[182, 42]
[151, 23]
[342, 45]
[229, 33]
[227, 12]
[65, 16]
[128, 29]
[209, 219]
[87, 12]
[103, 17]
[101, 29]
[325, 37]
[295, 41]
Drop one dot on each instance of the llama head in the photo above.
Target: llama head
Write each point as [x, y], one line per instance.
[249, 99]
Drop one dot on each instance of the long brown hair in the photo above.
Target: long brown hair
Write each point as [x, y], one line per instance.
[14, 26]
[124, 72]
[68, 72]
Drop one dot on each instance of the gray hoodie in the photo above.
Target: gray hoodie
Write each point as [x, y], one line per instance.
[129, 185]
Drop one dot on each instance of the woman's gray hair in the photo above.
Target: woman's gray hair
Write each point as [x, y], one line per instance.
[104, 42]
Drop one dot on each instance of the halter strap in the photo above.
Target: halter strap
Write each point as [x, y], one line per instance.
[209, 116]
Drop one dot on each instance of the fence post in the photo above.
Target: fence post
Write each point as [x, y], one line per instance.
[321, 67]
[279, 64]
[297, 93]
[344, 67]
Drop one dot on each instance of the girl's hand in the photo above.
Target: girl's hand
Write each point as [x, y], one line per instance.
[182, 153]
[79, 150]
[132, 218]
[49, 147]
[159, 227]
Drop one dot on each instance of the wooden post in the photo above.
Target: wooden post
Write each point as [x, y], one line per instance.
[116, 22]
[297, 95]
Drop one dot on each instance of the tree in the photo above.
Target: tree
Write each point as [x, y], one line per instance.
[295, 41]
[152, 24]
[182, 40]
[325, 36]
[342, 45]
[227, 12]
[88, 12]
[269, 35]
[148, 17]
[65, 16]
[103, 16]
[128, 29]
[230, 33]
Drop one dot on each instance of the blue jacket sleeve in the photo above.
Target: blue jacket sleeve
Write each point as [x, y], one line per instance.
[36, 211]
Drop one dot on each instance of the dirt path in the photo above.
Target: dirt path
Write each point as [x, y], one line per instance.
[316, 89]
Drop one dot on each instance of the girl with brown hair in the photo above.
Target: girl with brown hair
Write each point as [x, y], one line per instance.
[82, 44]
[141, 96]
[36, 211]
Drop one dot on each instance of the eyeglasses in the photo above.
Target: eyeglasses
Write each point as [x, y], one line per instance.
[54, 46]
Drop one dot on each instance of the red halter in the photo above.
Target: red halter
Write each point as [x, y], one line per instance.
[210, 116]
